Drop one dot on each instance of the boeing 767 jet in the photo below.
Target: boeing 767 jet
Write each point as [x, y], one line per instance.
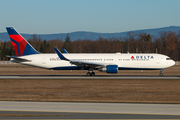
[104, 62]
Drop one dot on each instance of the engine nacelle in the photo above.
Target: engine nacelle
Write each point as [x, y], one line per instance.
[109, 69]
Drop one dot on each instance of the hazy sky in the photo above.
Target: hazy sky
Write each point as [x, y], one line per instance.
[104, 16]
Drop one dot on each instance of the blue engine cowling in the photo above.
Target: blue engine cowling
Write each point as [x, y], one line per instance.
[110, 69]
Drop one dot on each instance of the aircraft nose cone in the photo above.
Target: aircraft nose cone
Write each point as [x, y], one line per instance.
[173, 62]
[170, 63]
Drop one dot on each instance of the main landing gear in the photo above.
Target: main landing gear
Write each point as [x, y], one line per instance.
[90, 72]
[161, 72]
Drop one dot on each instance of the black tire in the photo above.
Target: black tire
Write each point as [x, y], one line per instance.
[161, 74]
[93, 73]
[88, 74]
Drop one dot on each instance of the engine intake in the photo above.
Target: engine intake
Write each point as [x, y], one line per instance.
[109, 69]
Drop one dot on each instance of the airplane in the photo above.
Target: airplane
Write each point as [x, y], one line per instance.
[104, 62]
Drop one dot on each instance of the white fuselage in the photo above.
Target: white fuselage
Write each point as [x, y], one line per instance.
[131, 61]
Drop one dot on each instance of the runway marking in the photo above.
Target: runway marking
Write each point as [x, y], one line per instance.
[88, 77]
[92, 112]
[89, 119]
[94, 107]
[124, 108]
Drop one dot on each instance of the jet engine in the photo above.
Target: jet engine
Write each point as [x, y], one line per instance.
[109, 69]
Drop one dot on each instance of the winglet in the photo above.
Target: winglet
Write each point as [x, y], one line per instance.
[60, 54]
[64, 51]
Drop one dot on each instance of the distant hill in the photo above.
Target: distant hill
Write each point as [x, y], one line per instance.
[93, 35]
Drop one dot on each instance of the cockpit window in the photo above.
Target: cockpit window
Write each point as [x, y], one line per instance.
[168, 58]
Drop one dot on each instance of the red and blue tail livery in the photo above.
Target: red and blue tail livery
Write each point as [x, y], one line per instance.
[21, 46]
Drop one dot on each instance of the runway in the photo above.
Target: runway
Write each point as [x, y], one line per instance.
[168, 77]
[78, 109]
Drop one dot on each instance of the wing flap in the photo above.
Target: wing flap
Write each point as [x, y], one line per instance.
[85, 63]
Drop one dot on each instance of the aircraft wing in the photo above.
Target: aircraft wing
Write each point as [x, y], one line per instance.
[80, 63]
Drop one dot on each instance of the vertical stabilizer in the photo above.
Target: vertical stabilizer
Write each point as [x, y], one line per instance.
[21, 46]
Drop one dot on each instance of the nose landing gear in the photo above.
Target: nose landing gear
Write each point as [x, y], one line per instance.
[161, 72]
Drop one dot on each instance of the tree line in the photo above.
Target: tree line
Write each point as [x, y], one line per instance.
[167, 43]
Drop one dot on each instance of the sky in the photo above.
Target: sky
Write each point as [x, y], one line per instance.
[103, 16]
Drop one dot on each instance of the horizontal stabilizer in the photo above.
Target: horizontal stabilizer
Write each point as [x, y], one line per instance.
[17, 59]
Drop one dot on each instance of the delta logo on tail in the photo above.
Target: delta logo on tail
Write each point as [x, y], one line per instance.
[18, 43]
[21, 46]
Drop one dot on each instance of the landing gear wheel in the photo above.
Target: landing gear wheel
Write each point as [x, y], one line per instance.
[90, 74]
[161, 74]
[93, 73]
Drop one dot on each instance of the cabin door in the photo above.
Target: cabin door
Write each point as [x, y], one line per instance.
[43, 60]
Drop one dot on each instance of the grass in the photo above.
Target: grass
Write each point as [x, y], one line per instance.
[138, 91]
